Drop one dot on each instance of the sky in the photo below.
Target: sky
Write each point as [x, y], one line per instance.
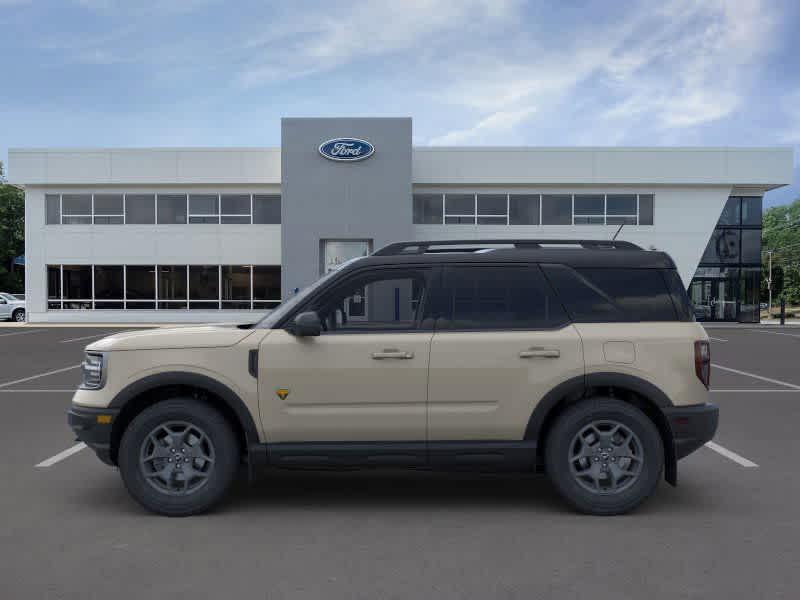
[106, 73]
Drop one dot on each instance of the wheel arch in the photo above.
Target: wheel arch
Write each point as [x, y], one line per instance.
[629, 388]
[149, 390]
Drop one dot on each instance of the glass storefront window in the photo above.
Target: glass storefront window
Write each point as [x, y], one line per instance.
[751, 246]
[713, 293]
[749, 294]
[723, 247]
[730, 214]
[751, 211]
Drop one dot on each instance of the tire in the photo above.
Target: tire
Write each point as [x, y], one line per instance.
[18, 315]
[191, 430]
[613, 483]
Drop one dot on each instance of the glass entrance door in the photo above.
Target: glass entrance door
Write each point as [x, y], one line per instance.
[714, 299]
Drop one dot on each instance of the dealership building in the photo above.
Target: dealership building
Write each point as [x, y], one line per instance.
[224, 234]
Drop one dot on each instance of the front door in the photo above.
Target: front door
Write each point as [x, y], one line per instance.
[363, 379]
[502, 342]
[713, 299]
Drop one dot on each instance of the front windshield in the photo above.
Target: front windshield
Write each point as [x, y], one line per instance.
[284, 308]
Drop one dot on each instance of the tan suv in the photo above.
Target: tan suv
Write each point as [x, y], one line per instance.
[577, 358]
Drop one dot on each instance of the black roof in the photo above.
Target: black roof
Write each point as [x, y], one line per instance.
[575, 253]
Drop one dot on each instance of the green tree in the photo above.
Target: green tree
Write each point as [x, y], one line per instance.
[781, 235]
[12, 235]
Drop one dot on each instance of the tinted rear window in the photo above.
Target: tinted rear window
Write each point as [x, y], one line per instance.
[609, 295]
[498, 297]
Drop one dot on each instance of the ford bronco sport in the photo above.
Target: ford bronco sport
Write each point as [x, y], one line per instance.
[580, 359]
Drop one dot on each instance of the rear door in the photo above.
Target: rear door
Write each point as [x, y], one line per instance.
[502, 342]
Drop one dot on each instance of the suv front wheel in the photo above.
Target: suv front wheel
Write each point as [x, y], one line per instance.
[604, 456]
[178, 457]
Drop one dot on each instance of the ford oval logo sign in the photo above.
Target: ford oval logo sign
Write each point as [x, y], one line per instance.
[345, 149]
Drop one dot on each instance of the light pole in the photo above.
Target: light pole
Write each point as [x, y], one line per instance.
[769, 285]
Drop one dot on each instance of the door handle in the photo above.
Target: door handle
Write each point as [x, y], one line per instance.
[392, 353]
[540, 353]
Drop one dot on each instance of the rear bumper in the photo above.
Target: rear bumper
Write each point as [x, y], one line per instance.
[97, 435]
[692, 426]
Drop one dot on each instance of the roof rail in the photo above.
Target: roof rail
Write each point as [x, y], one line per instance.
[423, 247]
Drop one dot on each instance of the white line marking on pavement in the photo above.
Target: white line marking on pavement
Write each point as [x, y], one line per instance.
[24, 379]
[22, 332]
[754, 376]
[756, 391]
[717, 339]
[49, 462]
[88, 337]
[794, 335]
[741, 460]
[73, 391]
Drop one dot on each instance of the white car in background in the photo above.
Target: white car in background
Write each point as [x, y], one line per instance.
[12, 308]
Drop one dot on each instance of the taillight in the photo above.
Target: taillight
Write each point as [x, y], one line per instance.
[702, 361]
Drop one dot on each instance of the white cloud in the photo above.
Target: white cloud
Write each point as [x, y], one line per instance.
[680, 65]
[496, 122]
[302, 44]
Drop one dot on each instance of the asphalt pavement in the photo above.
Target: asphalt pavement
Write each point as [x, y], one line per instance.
[729, 530]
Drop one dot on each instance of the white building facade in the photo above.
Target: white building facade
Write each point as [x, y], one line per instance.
[223, 234]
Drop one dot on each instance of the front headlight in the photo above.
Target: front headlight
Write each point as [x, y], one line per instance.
[93, 368]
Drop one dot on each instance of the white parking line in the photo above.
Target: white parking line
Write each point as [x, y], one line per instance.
[88, 337]
[741, 460]
[52, 391]
[22, 332]
[49, 462]
[754, 376]
[753, 391]
[24, 379]
[717, 339]
[794, 335]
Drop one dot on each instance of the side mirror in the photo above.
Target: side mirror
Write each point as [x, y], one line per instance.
[306, 324]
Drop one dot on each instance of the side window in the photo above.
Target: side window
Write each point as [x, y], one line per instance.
[498, 297]
[385, 300]
[605, 294]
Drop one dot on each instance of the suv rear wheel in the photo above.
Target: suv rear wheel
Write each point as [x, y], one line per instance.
[19, 315]
[178, 457]
[604, 456]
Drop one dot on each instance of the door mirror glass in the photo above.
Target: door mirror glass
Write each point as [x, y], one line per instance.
[306, 324]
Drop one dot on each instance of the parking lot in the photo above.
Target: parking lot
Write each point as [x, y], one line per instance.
[729, 530]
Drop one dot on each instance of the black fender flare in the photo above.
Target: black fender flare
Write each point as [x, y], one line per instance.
[222, 391]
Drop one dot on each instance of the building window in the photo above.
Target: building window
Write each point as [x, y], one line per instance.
[109, 209]
[266, 287]
[589, 209]
[523, 209]
[164, 209]
[266, 209]
[727, 281]
[557, 209]
[236, 292]
[459, 209]
[109, 286]
[76, 209]
[53, 209]
[165, 287]
[204, 208]
[172, 286]
[533, 209]
[140, 209]
[235, 209]
[171, 209]
[76, 282]
[428, 209]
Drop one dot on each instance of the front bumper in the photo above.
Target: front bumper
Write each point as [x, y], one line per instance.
[692, 426]
[93, 427]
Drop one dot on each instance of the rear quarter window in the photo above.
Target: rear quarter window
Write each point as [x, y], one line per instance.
[613, 294]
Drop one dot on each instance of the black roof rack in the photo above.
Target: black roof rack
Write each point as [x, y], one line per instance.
[419, 247]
